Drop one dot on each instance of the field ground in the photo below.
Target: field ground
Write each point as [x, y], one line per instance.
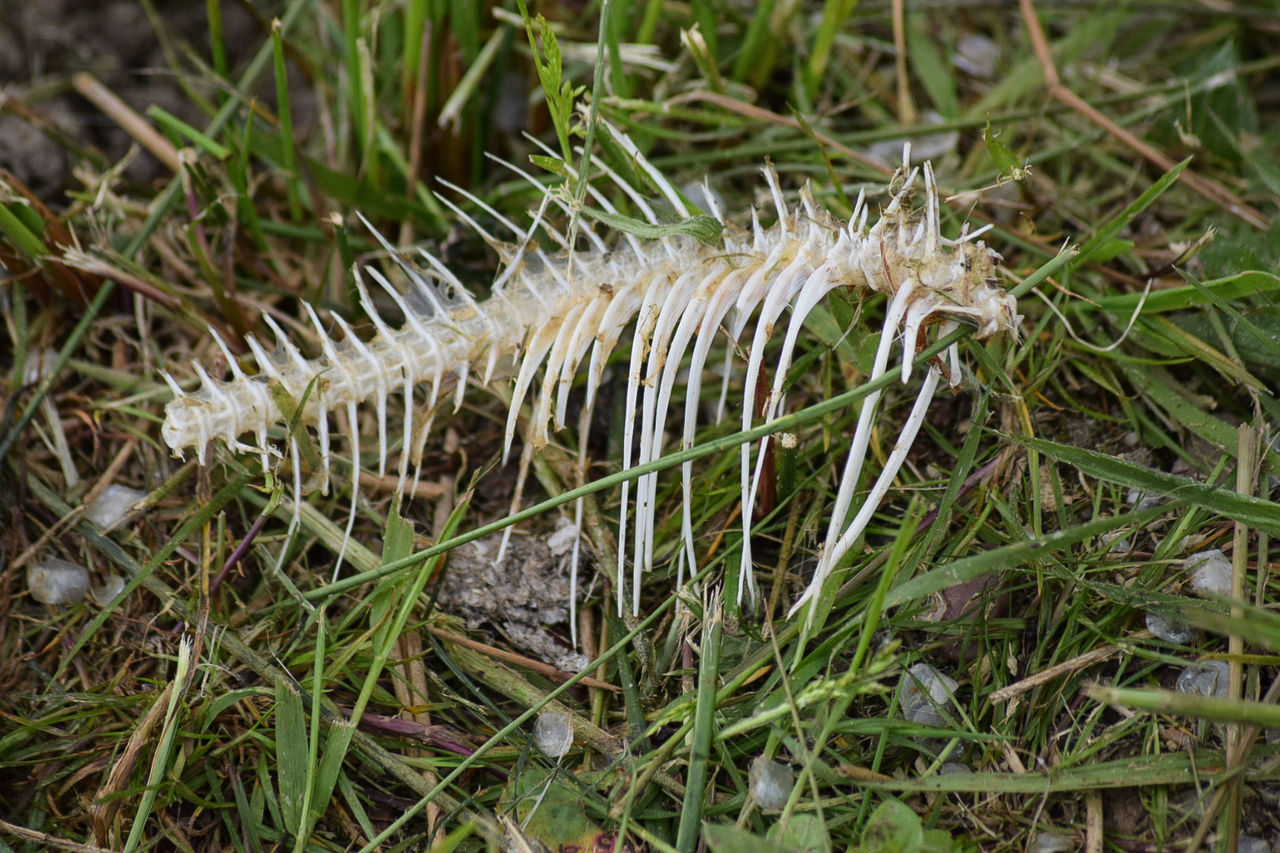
[173, 168]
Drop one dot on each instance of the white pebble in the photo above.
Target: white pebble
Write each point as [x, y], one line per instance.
[113, 504]
[561, 541]
[54, 581]
[703, 196]
[926, 147]
[1205, 679]
[1210, 573]
[553, 732]
[1170, 630]
[1052, 842]
[1141, 500]
[925, 691]
[771, 783]
[106, 591]
[977, 55]
[39, 365]
[1252, 844]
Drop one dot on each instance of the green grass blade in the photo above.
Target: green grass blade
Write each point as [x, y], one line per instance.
[703, 729]
[293, 765]
[1258, 513]
[1260, 714]
[163, 756]
[1227, 288]
[1108, 231]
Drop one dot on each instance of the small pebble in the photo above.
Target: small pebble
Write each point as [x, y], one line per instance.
[771, 783]
[106, 591]
[54, 581]
[977, 55]
[1140, 500]
[39, 365]
[561, 541]
[113, 504]
[553, 732]
[1210, 573]
[926, 147]
[925, 691]
[1116, 542]
[703, 196]
[1205, 679]
[1052, 842]
[1252, 844]
[1170, 630]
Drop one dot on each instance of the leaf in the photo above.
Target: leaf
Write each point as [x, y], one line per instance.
[554, 165]
[723, 838]
[14, 226]
[1008, 166]
[549, 62]
[1103, 236]
[931, 69]
[804, 833]
[549, 810]
[1242, 284]
[336, 745]
[291, 754]
[893, 828]
[1261, 714]
[1255, 512]
[703, 228]
[1112, 248]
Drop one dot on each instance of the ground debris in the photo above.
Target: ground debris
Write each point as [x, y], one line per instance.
[521, 595]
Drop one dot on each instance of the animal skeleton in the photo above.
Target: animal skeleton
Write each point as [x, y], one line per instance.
[546, 310]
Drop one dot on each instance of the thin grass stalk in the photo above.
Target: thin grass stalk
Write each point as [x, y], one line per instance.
[700, 748]
[411, 55]
[1246, 466]
[352, 57]
[834, 14]
[217, 44]
[173, 695]
[284, 114]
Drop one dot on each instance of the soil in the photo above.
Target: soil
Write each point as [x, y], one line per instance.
[43, 44]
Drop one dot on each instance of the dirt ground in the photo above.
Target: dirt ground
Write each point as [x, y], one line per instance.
[44, 44]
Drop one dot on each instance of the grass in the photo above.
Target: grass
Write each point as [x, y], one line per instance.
[233, 696]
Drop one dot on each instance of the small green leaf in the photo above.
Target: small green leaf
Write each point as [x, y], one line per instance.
[1008, 166]
[180, 128]
[703, 228]
[893, 828]
[554, 165]
[805, 833]
[931, 69]
[13, 225]
[1111, 249]
[723, 838]
[550, 810]
[336, 745]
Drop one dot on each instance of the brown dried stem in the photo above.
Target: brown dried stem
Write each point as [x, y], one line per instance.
[1210, 189]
